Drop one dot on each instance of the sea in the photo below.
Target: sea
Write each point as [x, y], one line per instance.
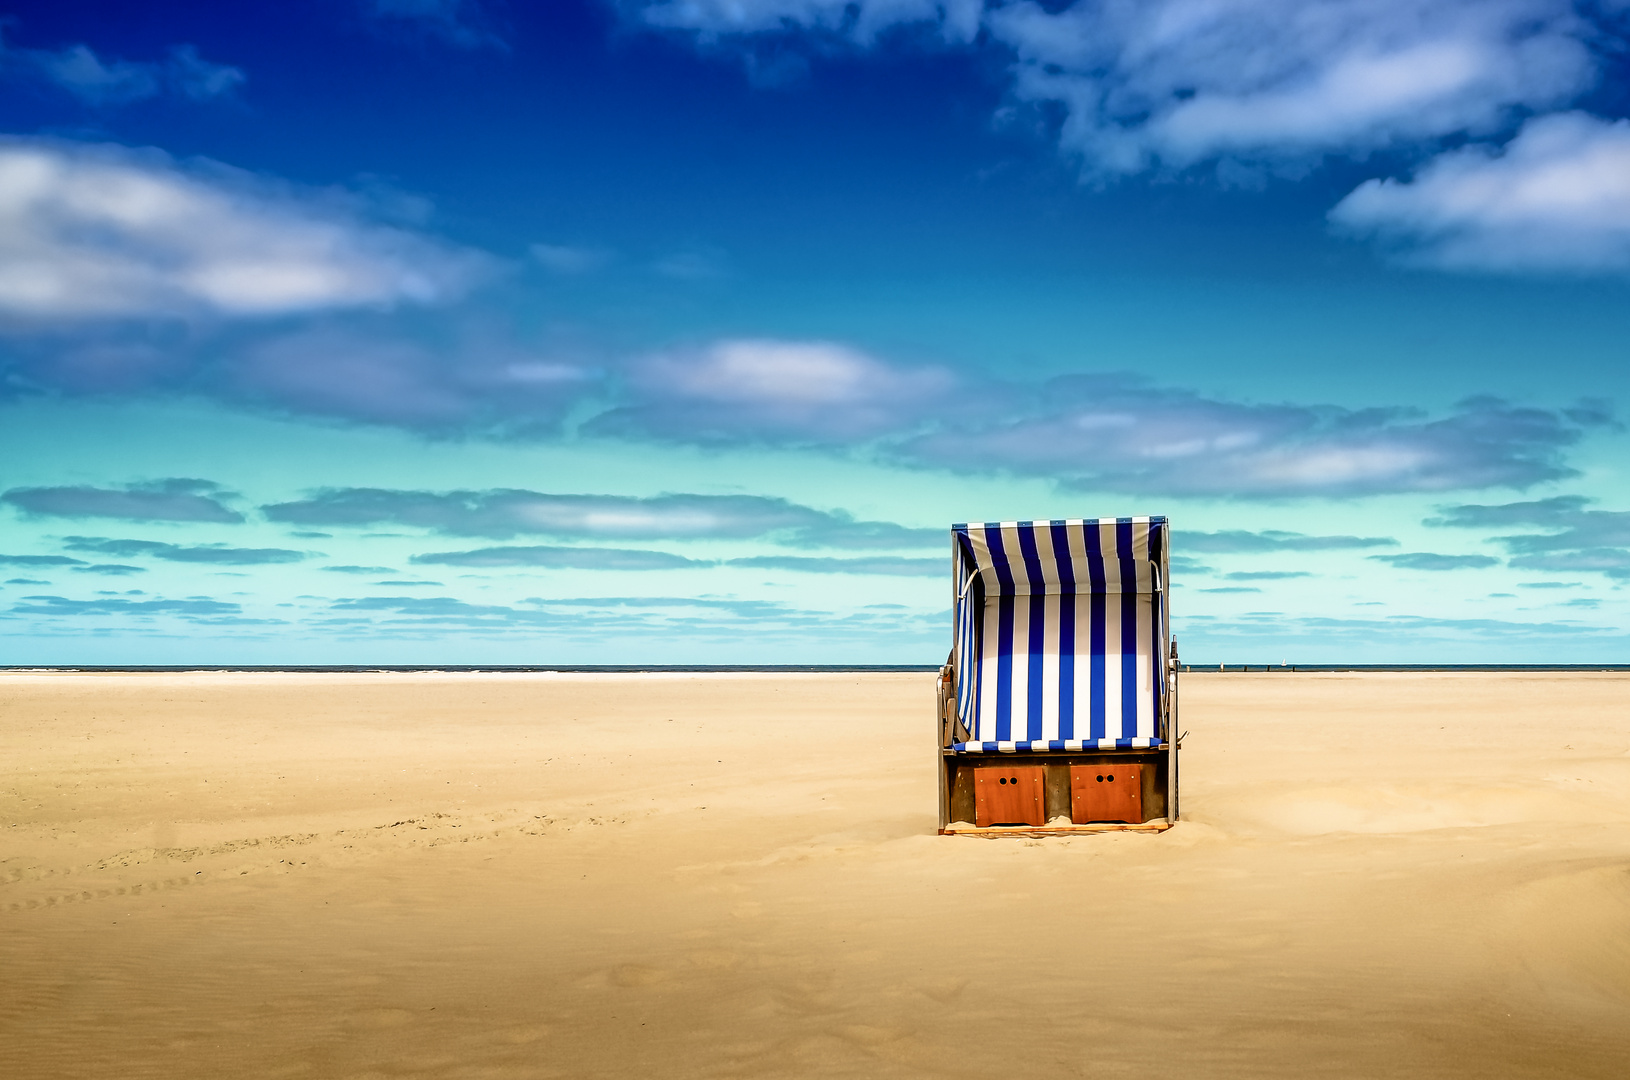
[629, 669]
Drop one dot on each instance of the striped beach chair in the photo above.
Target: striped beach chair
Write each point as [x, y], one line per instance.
[1059, 699]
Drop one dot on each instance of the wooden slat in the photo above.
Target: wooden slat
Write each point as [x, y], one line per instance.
[963, 829]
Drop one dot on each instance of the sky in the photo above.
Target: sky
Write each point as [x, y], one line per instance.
[680, 331]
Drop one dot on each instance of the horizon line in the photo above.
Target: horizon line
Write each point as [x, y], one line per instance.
[633, 669]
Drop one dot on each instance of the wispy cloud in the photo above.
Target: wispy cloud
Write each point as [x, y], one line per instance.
[1581, 540]
[894, 566]
[102, 81]
[572, 558]
[159, 500]
[691, 266]
[382, 377]
[1252, 88]
[444, 610]
[111, 569]
[62, 606]
[1177, 82]
[1087, 432]
[697, 618]
[218, 554]
[464, 24]
[1557, 197]
[742, 608]
[798, 392]
[1427, 560]
[90, 231]
[858, 21]
[595, 614]
[1099, 432]
[39, 560]
[566, 259]
[1146, 83]
[1117, 434]
[1241, 541]
[505, 513]
[1555, 512]
[1266, 575]
[200, 79]
[1614, 562]
[1417, 631]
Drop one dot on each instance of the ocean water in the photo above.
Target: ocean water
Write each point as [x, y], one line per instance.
[623, 669]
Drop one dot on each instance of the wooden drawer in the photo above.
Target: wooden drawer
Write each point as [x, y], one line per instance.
[1106, 793]
[1009, 795]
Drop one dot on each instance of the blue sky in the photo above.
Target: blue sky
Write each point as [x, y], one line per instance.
[678, 331]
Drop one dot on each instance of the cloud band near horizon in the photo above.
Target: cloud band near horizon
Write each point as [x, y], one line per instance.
[1112, 433]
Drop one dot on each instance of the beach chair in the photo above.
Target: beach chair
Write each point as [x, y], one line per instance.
[1058, 703]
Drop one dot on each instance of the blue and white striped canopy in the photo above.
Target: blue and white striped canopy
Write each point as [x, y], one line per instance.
[1107, 555]
[1061, 636]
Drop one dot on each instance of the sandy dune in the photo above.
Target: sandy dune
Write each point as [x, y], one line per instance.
[724, 875]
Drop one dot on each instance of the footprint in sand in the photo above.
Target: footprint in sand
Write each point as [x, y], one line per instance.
[1206, 964]
[945, 991]
[867, 1035]
[810, 996]
[380, 1018]
[637, 975]
[715, 959]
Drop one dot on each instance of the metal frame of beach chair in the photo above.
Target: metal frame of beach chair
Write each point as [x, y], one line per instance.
[1062, 678]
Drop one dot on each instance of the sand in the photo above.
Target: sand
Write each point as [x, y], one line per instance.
[240, 875]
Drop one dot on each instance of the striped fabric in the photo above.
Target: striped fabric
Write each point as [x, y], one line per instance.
[1016, 558]
[1059, 636]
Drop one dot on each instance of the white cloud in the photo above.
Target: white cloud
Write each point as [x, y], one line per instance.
[1184, 81]
[1557, 197]
[1117, 434]
[77, 70]
[858, 20]
[1144, 83]
[505, 513]
[352, 374]
[1089, 432]
[776, 391]
[102, 231]
[785, 375]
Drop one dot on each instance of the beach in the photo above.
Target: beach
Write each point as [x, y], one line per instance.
[737, 875]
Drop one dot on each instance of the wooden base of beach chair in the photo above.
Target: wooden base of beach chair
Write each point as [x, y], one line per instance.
[974, 798]
[962, 828]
